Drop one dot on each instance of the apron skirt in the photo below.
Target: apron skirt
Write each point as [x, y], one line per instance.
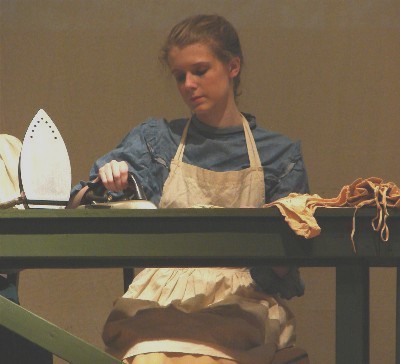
[214, 312]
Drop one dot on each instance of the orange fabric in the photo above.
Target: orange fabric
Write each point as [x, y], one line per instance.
[299, 209]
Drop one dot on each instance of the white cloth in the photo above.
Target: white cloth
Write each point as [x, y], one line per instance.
[10, 148]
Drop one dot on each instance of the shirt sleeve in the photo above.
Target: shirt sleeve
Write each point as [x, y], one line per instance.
[291, 177]
[137, 152]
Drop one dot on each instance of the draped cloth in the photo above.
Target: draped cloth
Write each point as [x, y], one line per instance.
[299, 209]
[10, 148]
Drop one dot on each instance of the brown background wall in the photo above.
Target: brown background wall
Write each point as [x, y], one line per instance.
[325, 72]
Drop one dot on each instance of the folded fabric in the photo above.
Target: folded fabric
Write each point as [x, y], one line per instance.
[299, 209]
[10, 148]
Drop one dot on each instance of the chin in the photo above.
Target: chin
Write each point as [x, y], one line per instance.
[201, 110]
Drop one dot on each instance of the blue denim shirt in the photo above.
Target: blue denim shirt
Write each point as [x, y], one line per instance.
[149, 148]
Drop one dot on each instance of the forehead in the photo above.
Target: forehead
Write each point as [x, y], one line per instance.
[182, 57]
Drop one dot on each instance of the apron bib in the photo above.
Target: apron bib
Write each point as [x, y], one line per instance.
[188, 185]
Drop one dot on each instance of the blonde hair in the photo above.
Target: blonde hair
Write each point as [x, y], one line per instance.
[212, 30]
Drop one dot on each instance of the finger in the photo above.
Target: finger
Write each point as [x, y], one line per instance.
[116, 172]
[114, 175]
[124, 173]
[106, 176]
[102, 175]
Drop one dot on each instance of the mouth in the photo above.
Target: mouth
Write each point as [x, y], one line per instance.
[196, 99]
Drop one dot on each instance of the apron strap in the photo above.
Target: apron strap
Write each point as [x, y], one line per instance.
[181, 148]
[254, 157]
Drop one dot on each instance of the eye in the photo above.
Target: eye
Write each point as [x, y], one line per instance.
[201, 71]
[180, 77]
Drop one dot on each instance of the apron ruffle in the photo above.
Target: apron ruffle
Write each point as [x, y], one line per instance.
[210, 311]
[190, 289]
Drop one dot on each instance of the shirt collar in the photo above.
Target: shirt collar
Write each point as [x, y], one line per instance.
[204, 128]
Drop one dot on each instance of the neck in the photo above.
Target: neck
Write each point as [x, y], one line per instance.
[227, 117]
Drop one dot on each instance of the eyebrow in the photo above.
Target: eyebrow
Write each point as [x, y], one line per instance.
[201, 63]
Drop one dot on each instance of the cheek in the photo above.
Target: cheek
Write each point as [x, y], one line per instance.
[219, 81]
[183, 93]
[181, 89]
[220, 87]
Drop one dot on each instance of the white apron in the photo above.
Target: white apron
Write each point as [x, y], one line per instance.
[202, 311]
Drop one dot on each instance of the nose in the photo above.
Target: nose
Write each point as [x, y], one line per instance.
[190, 81]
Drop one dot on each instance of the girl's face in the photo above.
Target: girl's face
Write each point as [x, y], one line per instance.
[204, 82]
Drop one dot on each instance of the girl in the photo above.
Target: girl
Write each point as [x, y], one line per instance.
[218, 156]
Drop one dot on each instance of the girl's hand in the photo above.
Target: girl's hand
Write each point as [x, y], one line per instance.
[114, 175]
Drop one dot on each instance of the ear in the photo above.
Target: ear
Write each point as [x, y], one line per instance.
[234, 67]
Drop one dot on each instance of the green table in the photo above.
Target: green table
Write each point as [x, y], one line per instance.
[197, 237]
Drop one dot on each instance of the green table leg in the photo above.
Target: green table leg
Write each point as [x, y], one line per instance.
[352, 314]
[52, 338]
